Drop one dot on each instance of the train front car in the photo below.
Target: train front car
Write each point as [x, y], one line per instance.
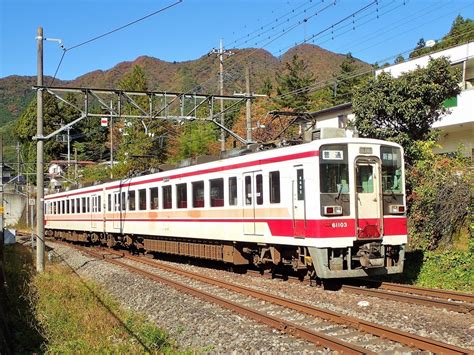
[362, 230]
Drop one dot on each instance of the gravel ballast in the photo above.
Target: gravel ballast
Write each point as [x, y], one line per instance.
[201, 326]
[194, 324]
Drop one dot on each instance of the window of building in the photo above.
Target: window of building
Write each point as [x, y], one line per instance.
[216, 192]
[142, 199]
[131, 201]
[274, 183]
[198, 194]
[259, 188]
[181, 196]
[167, 197]
[233, 191]
[154, 198]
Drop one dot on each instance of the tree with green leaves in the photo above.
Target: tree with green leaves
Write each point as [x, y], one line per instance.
[346, 80]
[403, 109]
[293, 85]
[462, 31]
[140, 145]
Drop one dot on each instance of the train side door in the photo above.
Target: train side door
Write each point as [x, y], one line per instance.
[252, 197]
[369, 198]
[299, 202]
[94, 209]
[116, 213]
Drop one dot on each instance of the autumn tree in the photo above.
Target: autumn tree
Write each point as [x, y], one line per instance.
[403, 109]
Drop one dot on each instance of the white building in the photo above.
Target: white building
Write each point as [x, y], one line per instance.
[457, 128]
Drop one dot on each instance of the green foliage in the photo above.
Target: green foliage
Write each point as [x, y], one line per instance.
[139, 146]
[296, 77]
[462, 31]
[346, 80]
[95, 173]
[451, 269]
[439, 201]
[77, 316]
[403, 109]
[196, 140]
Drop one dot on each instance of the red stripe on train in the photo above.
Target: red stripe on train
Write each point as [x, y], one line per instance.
[325, 228]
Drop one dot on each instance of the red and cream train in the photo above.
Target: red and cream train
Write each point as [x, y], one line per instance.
[330, 208]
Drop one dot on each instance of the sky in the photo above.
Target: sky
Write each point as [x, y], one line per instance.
[372, 31]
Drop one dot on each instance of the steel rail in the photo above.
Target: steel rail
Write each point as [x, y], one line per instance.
[291, 328]
[396, 335]
[446, 294]
[410, 298]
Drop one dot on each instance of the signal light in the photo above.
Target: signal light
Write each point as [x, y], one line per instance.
[397, 209]
[332, 210]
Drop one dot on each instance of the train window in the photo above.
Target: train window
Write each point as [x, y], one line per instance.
[216, 192]
[154, 198]
[99, 205]
[63, 209]
[259, 188]
[67, 206]
[131, 201]
[300, 184]
[181, 196]
[274, 183]
[365, 179]
[248, 190]
[73, 206]
[78, 205]
[123, 201]
[142, 199]
[167, 197]
[391, 169]
[84, 205]
[233, 191]
[198, 194]
[334, 169]
[109, 202]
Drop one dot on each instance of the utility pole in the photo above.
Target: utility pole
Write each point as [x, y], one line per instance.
[39, 157]
[221, 53]
[248, 112]
[111, 140]
[1, 194]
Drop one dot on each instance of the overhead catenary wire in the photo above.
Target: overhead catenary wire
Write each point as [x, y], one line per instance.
[109, 33]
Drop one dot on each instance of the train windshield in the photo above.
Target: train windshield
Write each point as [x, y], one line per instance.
[392, 181]
[334, 169]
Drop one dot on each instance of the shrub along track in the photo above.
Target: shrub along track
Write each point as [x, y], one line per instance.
[354, 328]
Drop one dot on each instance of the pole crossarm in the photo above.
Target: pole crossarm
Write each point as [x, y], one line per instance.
[162, 105]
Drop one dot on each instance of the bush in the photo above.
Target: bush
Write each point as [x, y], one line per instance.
[439, 199]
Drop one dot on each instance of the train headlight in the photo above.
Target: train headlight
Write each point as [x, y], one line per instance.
[397, 209]
[332, 210]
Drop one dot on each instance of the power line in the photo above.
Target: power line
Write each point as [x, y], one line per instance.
[269, 23]
[109, 33]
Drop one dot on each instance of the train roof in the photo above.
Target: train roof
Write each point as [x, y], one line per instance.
[259, 154]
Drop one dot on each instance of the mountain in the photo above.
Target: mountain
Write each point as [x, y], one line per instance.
[199, 75]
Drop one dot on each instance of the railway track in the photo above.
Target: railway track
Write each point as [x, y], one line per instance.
[319, 326]
[408, 295]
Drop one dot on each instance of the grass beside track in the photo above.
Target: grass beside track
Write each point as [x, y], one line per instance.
[67, 314]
